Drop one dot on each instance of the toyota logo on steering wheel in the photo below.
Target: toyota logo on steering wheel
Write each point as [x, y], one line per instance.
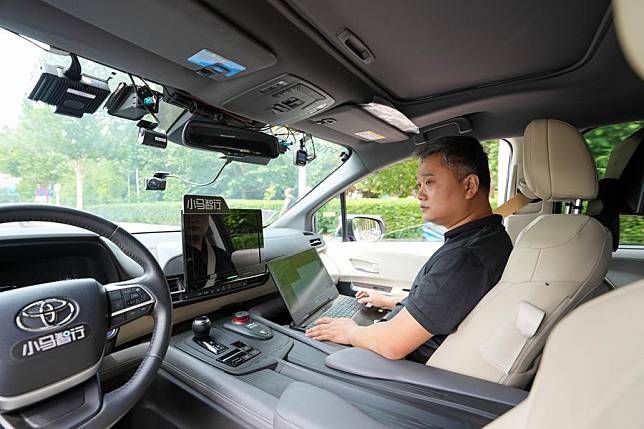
[47, 314]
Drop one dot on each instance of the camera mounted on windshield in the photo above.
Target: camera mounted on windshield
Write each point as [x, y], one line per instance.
[149, 137]
[157, 182]
[302, 156]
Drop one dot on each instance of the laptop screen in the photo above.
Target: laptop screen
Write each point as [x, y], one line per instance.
[303, 282]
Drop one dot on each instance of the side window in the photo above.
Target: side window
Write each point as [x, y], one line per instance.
[389, 197]
[631, 229]
[327, 220]
[499, 154]
[602, 142]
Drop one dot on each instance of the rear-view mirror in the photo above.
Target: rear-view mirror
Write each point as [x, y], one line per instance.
[231, 141]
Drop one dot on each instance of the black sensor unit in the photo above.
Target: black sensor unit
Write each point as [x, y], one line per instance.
[71, 97]
[152, 138]
[132, 103]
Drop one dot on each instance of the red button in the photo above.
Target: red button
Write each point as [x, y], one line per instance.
[241, 317]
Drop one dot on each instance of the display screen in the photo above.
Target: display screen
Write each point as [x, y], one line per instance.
[303, 282]
[221, 247]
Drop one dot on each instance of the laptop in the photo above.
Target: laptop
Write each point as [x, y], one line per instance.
[309, 292]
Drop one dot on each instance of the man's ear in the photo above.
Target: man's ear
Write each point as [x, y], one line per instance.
[471, 183]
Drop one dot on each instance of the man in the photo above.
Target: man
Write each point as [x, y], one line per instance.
[453, 186]
[204, 258]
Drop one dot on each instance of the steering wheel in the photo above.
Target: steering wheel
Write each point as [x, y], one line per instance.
[53, 335]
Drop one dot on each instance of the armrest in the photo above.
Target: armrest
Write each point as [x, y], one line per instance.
[305, 406]
[369, 364]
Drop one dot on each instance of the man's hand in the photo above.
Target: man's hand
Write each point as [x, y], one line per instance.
[330, 329]
[376, 299]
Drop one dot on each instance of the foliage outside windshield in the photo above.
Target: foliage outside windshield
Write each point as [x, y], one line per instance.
[95, 163]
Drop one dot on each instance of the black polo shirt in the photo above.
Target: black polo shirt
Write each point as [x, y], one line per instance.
[455, 279]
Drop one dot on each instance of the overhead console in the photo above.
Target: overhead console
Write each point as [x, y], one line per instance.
[285, 99]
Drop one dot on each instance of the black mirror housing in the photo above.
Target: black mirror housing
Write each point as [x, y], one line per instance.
[231, 141]
[365, 227]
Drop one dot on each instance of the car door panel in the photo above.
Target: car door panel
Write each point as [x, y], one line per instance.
[388, 266]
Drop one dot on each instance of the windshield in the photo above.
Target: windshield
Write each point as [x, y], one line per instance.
[96, 164]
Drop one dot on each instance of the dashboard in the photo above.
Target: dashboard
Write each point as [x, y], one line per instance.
[42, 254]
[49, 259]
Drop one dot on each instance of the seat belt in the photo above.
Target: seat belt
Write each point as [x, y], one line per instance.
[513, 205]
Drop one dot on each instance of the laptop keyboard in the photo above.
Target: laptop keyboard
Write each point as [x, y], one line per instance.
[345, 307]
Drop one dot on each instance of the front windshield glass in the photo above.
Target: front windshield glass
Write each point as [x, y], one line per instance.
[96, 164]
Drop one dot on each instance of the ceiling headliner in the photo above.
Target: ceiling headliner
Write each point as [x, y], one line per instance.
[501, 63]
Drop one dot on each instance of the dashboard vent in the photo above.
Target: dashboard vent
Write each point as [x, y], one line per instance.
[316, 242]
[175, 285]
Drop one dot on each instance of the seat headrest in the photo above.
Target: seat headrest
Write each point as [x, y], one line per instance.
[557, 163]
[628, 16]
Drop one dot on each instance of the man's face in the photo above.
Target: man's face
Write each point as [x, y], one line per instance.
[441, 194]
[196, 226]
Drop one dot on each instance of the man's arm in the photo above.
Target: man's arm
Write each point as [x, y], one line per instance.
[393, 339]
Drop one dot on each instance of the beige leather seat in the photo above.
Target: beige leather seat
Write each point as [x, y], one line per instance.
[592, 372]
[556, 261]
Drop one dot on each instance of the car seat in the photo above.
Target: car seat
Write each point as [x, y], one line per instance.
[592, 372]
[556, 262]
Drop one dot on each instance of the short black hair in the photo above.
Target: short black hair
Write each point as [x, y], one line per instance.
[463, 155]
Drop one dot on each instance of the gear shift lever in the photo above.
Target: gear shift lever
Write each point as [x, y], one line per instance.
[201, 327]
[201, 330]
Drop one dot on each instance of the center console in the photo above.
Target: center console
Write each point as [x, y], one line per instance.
[236, 345]
[260, 372]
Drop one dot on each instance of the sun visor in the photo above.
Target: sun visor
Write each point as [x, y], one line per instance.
[213, 47]
[356, 122]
